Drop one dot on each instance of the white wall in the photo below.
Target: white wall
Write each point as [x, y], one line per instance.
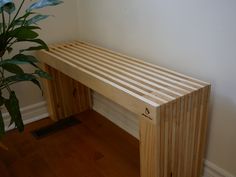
[195, 37]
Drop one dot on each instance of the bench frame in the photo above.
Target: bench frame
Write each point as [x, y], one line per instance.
[172, 134]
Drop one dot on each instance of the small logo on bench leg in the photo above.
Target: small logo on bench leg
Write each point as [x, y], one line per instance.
[147, 113]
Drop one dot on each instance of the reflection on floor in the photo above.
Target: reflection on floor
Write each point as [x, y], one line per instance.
[94, 148]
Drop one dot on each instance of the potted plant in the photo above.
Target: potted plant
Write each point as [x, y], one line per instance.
[16, 28]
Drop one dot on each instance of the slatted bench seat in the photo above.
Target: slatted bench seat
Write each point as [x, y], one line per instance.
[172, 107]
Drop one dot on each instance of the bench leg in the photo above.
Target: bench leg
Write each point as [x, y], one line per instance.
[149, 148]
[173, 146]
[65, 96]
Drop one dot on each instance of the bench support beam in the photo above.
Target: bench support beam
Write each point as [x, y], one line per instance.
[65, 96]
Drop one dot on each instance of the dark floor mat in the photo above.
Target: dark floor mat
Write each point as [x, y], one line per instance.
[53, 128]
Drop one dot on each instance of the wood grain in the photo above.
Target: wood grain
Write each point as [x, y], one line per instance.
[171, 107]
[94, 148]
[65, 96]
[150, 150]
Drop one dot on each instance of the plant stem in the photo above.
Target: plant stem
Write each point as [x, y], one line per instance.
[2, 78]
[8, 85]
[9, 19]
[3, 21]
[11, 43]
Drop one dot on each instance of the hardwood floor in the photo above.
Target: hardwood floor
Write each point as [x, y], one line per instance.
[94, 148]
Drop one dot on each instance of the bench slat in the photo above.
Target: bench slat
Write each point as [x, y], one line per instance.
[151, 86]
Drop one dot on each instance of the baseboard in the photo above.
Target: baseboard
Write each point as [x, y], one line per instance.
[212, 170]
[128, 121]
[30, 114]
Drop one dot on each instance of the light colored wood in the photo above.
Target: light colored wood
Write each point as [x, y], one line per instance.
[65, 96]
[131, 100]
[139, 71]
[112, 76]
[47, 90]
[156, 68]
[171, 107]
[150, 151]
[110, 69]
[203, 130]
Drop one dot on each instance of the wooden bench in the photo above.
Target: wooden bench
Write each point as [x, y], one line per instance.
[172, 108]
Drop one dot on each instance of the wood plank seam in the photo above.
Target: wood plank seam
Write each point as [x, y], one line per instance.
[171, 107]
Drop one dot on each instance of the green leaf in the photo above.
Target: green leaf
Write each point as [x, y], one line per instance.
[12, 105]
[19, 77]
[5, 2]
[9, 8]
[23, 33]
[43, 74]
[26, 15]
[36, 82]
[43, 3]
[21, 58]
[21, 20]
[32, 27]
[37, 41]
[13, 68]
[36, 19]
[2, 126]
[33, 48]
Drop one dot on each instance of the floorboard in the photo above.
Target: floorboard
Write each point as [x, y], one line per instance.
[94, 148]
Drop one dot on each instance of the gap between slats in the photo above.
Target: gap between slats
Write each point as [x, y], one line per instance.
[162, 96]
[167, 72]
[133, 65]
[128, 72]
[112, 78]
[138, 73]
[130, 68]
[147, 101]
